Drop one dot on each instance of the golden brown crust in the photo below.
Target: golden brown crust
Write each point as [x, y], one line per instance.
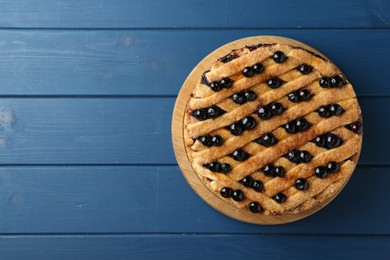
[319, 189]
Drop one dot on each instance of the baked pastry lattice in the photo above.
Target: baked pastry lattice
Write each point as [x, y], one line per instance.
[273, 129]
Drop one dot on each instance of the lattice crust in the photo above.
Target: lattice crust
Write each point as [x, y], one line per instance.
[231, 67]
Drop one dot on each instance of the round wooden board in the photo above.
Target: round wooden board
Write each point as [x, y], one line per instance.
[179, 146]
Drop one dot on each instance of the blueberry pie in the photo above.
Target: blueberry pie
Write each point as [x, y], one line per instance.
[273, 129]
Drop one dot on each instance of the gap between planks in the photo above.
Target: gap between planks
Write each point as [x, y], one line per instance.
[120, 96]
[244, 28]
[173, 234]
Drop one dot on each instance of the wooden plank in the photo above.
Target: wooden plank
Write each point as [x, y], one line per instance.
[194, 247]
[123, 131]
[200, 13]
[74, 124]
[156, 62]
[157, 199]
[85, 131]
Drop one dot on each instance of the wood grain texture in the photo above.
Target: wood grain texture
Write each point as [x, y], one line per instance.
[108, 200]
[179, 143]
[156, 62]
[195, 247]
[199, 13]
[85, 131]
[128, 49]
[123, 131]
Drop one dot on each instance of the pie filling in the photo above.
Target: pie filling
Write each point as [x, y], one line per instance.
[273, 129]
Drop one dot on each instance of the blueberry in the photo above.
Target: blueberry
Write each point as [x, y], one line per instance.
[268, 169]
[332, 141]
[290, 128]
[278, 171]
[320, 172]
[236, 128]
[293, 156]
[355, 127]
[247, 181]
[199, 114]
[247, 72]
[228, 57]
[215, 86]
[279, 57]
[216, 140]
[238, 195]
[332, 167]
[276, 108]
[250, 95]
[213, 166]
[302, 124]
[324, 112]
[204, 80]
[304, 95]
[205, 140]
[226, 192]
[240, 155]
[320, 141]
[304, 156]
[255, 207]
[304, 69]
[325, 82]
[257, 185]
[336, 82]
[248, 122]
[293, 97]
[214, 112]
[301, 184]
[274, 82]
[238, 98]
[257, 68]
[336, 109]
[280, 197]
[226, 83]
[254, 46]
[225, 168]
[267, 140]
[264, 113]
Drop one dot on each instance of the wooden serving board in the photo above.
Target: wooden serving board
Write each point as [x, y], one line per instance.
[180, 150]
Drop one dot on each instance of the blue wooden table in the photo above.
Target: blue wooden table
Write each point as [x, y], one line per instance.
[87, 169]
